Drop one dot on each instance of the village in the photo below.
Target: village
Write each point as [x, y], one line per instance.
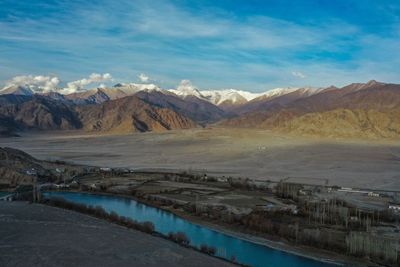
[306, 211]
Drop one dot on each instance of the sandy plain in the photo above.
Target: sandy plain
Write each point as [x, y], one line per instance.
[243, 153]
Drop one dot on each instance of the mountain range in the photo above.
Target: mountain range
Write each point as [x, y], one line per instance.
[369, 109]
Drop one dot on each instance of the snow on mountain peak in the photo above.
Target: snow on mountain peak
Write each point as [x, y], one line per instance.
[133, 88]
[278, 92]
[16, 90]
[186, 88]
[235, 96]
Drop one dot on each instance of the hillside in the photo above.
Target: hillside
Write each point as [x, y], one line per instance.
[130, 114]
[356, 110]
[125, 115]
[195, 108]
[37, 112]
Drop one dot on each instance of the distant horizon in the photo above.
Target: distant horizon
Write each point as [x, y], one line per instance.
[253, 45]
[60, 87]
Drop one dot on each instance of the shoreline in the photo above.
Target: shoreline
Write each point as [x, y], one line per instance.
[313, 253]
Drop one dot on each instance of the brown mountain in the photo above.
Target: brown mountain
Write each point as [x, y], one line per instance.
[196, 109]
[94, 96]
[16, 90]
[36, 112]
[361, 109]
[265, 102]
[231, 106]
[55, 112]
[370, 110]
[8, 127]
[11, 99]
[131, 114]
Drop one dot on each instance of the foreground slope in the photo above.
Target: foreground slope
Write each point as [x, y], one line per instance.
[37, 235]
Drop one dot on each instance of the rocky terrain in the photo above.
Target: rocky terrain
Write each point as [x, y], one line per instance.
[131, 114]
[358, 110]
[126, 115]
[36, 112]
[364, 110]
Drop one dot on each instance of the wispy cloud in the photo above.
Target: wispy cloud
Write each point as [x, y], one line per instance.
[143, 78]
[214, 47]
[80, 85]
[298, 74]
[39, 84]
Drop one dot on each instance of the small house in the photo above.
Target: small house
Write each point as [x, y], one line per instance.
[31, 172]
[394, 207]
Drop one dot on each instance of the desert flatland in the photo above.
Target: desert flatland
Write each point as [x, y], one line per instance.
[243, 153]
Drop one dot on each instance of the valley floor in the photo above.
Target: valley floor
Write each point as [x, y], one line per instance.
[231, 152]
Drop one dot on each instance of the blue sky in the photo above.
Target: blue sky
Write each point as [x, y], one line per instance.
[248, 44]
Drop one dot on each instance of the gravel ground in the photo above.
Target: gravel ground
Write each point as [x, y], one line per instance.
[232, 152]
[38, 235]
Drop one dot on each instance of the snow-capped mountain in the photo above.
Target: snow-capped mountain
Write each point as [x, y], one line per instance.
[218, 97]
[16, 90]
[227, 99]
[133, 88]
[186, 88]
[225, 96]
[278, 92]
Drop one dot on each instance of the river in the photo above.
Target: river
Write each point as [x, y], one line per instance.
[227, 246]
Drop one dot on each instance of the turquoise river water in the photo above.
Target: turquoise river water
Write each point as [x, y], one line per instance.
[244, 251]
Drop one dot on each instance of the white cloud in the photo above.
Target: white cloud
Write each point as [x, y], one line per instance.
[208, 45]
[38, 84]
[298, 74]
[79, 85]
[143, 78]
[186, 85]
[186, 88]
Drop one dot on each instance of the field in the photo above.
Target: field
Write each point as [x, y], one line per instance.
[228, 152]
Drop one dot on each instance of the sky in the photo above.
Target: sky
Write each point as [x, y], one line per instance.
[252, 45]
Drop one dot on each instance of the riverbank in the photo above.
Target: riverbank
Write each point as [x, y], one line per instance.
[129, 222]
[265, 240]
[282, 245]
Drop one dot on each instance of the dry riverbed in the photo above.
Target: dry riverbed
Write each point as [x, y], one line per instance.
[231, 152]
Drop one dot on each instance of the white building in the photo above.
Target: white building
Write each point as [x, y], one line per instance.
[394, 207]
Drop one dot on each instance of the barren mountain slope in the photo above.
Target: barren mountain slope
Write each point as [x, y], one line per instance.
[370, 110]
[38, 112]
[131, 114]
[273, 101]
[192, 107]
